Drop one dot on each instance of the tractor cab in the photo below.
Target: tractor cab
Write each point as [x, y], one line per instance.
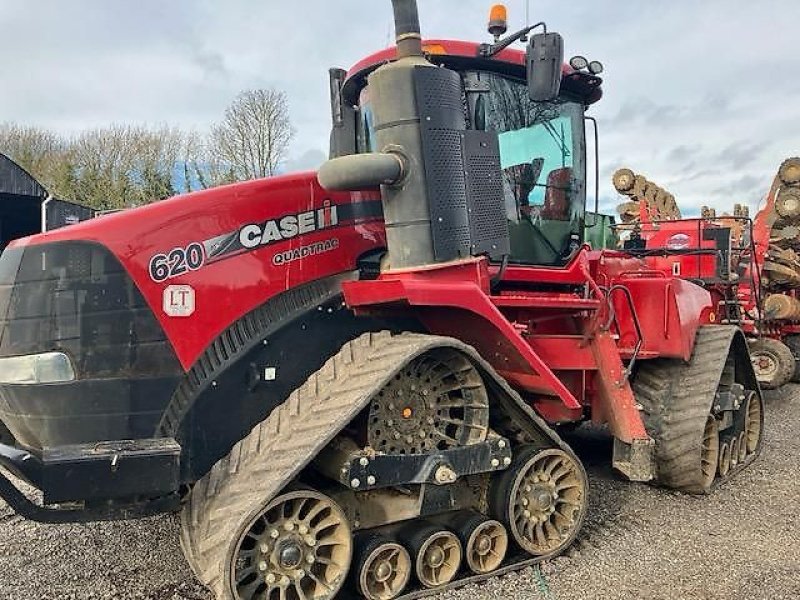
[542, 143]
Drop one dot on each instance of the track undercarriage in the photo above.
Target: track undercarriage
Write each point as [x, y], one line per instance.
[407, 465]
[706, 416]
[389, 469]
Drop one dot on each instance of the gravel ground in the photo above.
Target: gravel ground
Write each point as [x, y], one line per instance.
[742, 542]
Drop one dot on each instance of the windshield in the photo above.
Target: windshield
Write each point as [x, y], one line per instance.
[542, 153]
[543, 157]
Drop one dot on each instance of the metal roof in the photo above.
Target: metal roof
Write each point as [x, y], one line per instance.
[16, 181]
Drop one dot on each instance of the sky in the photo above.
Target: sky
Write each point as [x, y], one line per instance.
[700, 96]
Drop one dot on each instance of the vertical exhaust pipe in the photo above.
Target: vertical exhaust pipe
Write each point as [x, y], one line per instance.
[423, 160]
[407, 30]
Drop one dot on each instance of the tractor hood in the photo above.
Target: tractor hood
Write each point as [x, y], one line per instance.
[203, 260]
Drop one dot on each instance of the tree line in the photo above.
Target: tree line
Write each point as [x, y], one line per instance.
[123, 165]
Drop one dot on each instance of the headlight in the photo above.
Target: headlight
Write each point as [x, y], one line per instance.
[48, 367]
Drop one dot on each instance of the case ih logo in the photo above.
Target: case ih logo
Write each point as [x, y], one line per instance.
[288, 227]
[253, 236]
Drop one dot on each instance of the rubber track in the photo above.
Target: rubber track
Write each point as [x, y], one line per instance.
[236, 489]
[677, 398]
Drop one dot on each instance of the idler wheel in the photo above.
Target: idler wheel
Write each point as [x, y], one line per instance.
[300, 546]
[382, 567]
[542, 498]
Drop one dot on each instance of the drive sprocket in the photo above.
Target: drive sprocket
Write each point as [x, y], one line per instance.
[436, 402]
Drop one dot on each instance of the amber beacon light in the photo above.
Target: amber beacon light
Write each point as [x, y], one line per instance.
[498, 20]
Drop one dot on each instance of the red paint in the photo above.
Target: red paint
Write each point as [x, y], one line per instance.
[228, 289]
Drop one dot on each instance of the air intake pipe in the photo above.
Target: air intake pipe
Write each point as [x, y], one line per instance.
[407, 29]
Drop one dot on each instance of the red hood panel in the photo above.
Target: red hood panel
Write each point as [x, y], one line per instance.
[234, 247]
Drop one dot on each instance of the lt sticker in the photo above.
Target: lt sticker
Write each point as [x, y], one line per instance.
[179, 300]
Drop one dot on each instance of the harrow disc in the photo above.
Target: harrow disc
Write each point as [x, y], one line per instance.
[623, 180]
[789, 171]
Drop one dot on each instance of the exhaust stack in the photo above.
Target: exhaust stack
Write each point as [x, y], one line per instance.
[407, 29]
[433, 172]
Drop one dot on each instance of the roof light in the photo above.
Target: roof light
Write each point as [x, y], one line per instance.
[578, 63]
[595, 67]
[434, 49]
[498, 20]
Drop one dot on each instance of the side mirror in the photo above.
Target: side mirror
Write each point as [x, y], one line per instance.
[343, 132]
[545, 59]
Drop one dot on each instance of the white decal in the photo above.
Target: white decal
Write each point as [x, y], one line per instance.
[179, 300]
[281, 258]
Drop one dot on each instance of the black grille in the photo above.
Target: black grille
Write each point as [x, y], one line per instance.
[487, 217]
[75, 297]
[462, 170]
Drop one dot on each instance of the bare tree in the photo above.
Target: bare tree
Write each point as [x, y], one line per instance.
[39, 151]
[253, 138]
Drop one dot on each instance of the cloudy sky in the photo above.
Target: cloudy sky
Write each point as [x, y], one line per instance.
[703, 97]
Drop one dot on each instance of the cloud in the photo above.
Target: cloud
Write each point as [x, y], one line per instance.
[701, 97]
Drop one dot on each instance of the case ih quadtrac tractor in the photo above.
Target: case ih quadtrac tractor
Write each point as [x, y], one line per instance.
[347, 380]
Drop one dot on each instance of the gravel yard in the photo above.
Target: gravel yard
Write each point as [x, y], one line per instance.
[742, 542]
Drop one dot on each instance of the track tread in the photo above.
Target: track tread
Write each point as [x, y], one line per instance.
[676, 397]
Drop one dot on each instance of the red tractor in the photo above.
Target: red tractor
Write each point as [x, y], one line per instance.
[348, 380]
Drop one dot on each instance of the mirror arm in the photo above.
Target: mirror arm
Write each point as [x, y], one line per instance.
[490, 50]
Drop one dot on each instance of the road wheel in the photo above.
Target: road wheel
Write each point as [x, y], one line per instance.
[382, 569]
[485, 543]
[773, 362]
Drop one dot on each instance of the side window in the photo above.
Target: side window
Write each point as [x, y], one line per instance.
[366, 127]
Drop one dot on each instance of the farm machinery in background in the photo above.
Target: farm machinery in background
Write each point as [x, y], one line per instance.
[348, 381]
[751, 267]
